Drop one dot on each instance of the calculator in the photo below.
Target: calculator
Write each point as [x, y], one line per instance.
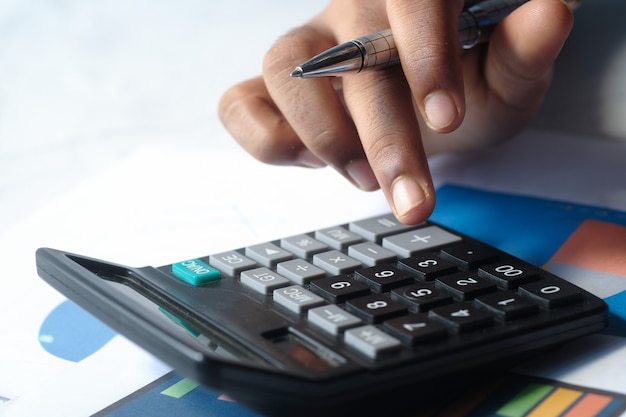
[368, 317]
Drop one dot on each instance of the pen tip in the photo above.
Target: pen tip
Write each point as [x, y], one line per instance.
[297, 73]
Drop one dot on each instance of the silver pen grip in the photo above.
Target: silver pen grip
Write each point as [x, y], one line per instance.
[379, 49]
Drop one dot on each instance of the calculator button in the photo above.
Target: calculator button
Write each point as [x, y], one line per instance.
[371, 341]
[375, 228]
[410, 243]
[383, 278]
[263, 280]
[461, 317]
[231, 262]
[508, 274]
[469, 255]
[371, 254]
[303, 246]
[551, 293]
[337, 237]
[335, 262]
[465, 285]
[332, 319]
[296, 298]
[267, 254]
[195, 272]
[415, 329]
[375, 308]
[299, 271]
[507, 305]
[338, 289]
[421, 296]
[427, 266]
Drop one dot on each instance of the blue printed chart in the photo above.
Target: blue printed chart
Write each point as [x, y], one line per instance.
[71, 333]
[172, 395]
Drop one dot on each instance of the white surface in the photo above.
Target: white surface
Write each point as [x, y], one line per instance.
[105, 104]
[84, 84]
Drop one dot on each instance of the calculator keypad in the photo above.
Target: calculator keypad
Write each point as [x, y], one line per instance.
[377, 287]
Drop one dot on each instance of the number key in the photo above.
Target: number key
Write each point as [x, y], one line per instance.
[421, 296]
[414, 329]
[465, 285]
[509, 274]
[461, 317]
[427, 266]
[375, 308]
[507, 305]
[338, 289]
[383, 278]
[551, 294]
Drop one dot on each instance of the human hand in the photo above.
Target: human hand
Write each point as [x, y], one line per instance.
[377, 128]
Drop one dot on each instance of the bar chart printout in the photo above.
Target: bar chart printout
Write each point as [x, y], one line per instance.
[533, 397]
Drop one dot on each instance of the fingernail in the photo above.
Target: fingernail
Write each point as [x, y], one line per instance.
[308, 159]
[572, 4]
[440, 109]
[407, 195]
[360, 172]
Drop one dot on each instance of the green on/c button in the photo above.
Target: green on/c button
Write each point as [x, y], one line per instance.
[195, 272]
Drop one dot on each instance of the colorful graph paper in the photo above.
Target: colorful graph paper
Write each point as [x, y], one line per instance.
[534, 397]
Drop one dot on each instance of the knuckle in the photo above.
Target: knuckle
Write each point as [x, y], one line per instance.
[384, 149]
[289, 50]
[255, 125]
[430, 55]
[325, 140]
[267, 142]
[229, 101]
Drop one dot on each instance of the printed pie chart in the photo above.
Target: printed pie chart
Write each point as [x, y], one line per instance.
[70, 333]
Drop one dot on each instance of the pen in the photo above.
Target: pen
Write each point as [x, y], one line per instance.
[378, 50]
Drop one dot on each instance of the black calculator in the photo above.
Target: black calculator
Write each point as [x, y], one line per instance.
[364, 318]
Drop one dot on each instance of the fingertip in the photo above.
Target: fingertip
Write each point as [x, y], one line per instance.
[308, 159]
[572, 4]
[412, 202]
[360, 173]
